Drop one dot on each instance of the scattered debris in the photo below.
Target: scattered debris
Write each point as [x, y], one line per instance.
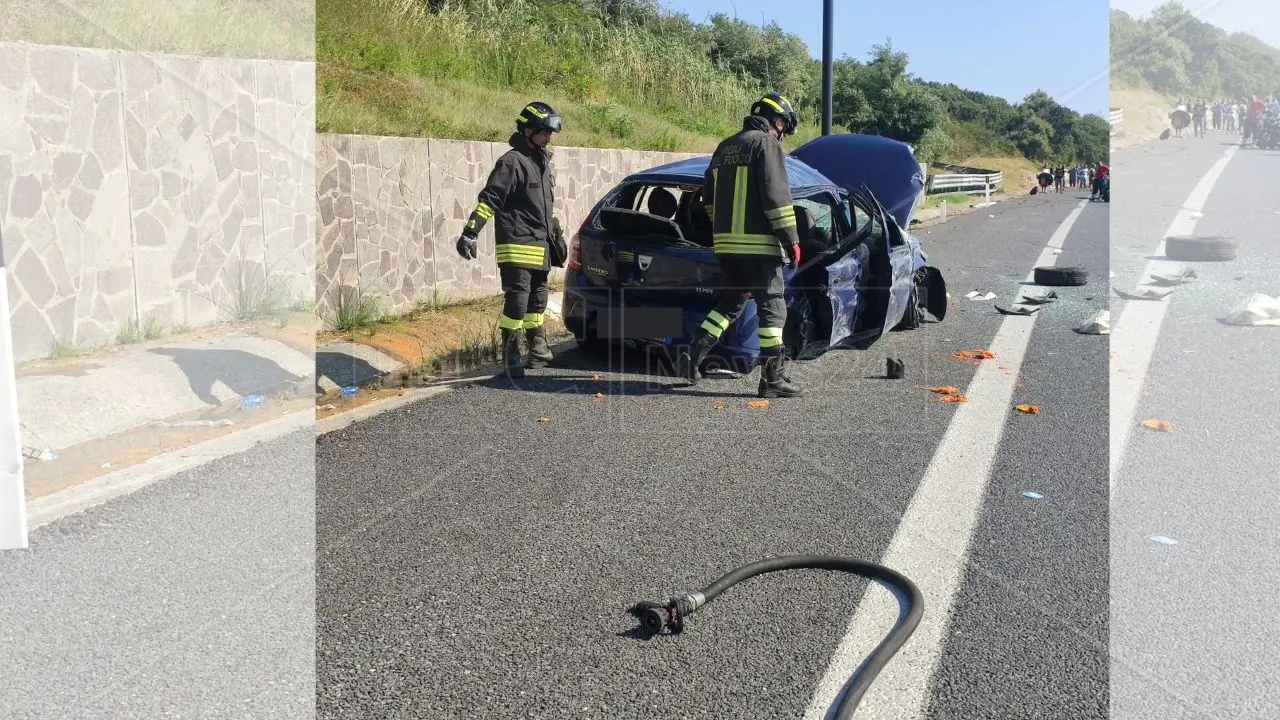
[979, 295]
[967, 355]
[719, 406]
[1197, 215]
[954, 398]
[1143, 294]
[1184, 275]
[1057, 251]
[328, 406]
[599, 397]
[38, 454]
[945, 390]
[252, 402]
[1256, 310]
[544, 420]
[1029, 409]
[1032, 495]
[595, 377]
[1099, 324]
[1160, 425]
[757, 403]
[1017, 310]
[895, 369]
[1162, 539]
[1038, 299]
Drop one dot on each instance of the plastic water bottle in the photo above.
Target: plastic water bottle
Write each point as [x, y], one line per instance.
[253, 402]
[348, 392]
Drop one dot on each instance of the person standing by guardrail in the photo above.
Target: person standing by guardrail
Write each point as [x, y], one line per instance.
[753, 226]
[519, 194]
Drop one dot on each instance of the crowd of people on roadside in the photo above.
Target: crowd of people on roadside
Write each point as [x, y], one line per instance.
[1233, 116]
[1081, 175]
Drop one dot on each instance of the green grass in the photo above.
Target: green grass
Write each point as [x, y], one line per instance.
[275, 29]
[951, 199]
[386, 68]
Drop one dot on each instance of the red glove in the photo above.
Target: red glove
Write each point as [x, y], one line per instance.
[795, 254]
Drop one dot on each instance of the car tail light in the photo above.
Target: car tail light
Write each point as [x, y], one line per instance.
[575, 249]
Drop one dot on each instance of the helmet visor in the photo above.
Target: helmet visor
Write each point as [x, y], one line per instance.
[552, 123]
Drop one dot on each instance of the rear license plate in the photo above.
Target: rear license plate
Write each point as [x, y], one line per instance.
[640, 323]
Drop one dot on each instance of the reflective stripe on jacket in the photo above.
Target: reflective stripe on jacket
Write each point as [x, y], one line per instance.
[750, 197]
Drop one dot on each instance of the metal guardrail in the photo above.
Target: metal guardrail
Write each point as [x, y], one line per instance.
[963, 183]
[1116, 119]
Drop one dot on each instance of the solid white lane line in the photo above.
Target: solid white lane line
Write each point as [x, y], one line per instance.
[932, 541]
[1135, 332]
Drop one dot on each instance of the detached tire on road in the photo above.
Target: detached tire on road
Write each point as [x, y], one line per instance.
[1061, 276]
[1201, 248]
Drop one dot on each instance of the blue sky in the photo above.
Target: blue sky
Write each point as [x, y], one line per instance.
[1260, 18]
[1057, 46]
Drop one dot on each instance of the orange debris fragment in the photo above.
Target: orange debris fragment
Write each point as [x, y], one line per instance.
[544, 420]
[945, 390]
[1029, 409]
[1161, 425]
[954, 398]
[757, 403]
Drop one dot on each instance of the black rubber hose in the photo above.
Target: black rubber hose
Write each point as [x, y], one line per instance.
[655, 617]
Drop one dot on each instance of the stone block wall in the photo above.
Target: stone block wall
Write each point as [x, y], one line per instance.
[391, 210]
[138, 186]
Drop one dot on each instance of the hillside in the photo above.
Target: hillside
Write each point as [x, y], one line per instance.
[628, 74]
[1173, 53]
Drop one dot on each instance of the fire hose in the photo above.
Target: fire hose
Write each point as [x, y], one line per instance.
[655, 617]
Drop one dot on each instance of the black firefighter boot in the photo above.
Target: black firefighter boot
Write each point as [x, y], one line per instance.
[689, 362]
[773, 380]
[539, 352]
[511, 361]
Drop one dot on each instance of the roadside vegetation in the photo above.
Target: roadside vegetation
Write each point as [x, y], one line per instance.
[629, 74]
[1174, 54]
[274, 29]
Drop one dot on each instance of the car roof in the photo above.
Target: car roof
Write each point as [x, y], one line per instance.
[691, 171]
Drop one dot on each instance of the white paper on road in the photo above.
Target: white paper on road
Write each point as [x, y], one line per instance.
[931, 545]
[1257, 310]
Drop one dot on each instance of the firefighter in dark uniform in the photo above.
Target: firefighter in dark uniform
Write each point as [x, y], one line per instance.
[519, 193]
[754, 230]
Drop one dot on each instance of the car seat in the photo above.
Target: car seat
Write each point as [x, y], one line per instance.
[663, 203]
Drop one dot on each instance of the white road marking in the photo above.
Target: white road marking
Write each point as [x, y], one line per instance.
[1134, 335]
[942, 515]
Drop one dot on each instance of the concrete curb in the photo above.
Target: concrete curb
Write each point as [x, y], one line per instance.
[104, 488]
[413, 395]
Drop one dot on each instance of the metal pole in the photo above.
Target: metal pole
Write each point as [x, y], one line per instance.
[828, 10]
[13, 498]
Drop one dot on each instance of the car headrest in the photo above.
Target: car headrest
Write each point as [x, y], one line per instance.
[663, 203]
[804, 223]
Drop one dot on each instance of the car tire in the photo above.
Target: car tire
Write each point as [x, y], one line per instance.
[911, 316]
[1061, 276]
[1200, 248]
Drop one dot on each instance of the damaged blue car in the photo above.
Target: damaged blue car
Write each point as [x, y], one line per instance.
[642, 267]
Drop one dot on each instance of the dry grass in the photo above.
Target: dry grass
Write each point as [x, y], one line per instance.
[270, 29]
[1019, 173]
[441, 339]
[1146, 115]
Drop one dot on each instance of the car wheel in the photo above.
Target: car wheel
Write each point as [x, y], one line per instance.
[1061, 276]
[1200, 248]
[911, 316]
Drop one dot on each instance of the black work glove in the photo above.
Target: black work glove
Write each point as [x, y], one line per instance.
[467, 247]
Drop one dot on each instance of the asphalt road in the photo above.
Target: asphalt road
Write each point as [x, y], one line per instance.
[474, 562]
[1194, 624]
[193, 597]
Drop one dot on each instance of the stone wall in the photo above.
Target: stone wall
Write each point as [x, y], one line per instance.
[150, 187]
[391, 210]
